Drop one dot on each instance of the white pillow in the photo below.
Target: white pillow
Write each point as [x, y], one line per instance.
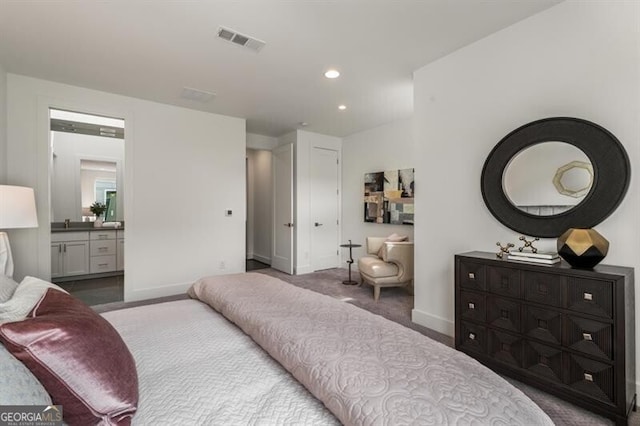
[7, 288]
[24, 299]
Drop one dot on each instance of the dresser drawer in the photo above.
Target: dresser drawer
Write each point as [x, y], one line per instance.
[472, 338]
[590, 296]
[544, 361]
[543, 324]
[506, 348]
[505, 281]
[472, 306]
[471, 275]
[543, 288]
[592, 378]
[589, 337]
[503, 313]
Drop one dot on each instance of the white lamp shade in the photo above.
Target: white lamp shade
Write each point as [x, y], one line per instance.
[17, 207]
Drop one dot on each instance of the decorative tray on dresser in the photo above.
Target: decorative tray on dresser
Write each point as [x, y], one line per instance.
[569, 332]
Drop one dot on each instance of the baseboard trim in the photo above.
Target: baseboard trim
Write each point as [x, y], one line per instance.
[261, 258]
[152, 293]
[307, 269]
[439, 324]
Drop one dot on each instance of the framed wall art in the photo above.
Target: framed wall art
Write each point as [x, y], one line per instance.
[388, 197]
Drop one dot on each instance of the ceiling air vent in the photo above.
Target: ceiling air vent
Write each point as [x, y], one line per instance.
[196, 95]
[240, 39]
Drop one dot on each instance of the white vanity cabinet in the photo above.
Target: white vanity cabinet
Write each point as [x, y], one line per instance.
[120, 250]
[69, 254]
[103, 251]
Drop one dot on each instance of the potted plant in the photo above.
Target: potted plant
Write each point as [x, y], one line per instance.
[97, 208]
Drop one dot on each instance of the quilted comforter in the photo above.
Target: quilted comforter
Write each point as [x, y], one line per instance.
[366, 369]
[196, 368]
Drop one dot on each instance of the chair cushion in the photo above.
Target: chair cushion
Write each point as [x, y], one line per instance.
[376, 268]
[394, 238]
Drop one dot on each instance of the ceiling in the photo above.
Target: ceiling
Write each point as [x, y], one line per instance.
[152, 50]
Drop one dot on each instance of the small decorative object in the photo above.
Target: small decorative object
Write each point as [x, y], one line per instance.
[528, 244]
[582, 248]
[504, 249]
[97, 208]
[546, 258]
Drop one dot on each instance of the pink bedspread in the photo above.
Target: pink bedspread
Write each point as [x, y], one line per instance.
[366, 369]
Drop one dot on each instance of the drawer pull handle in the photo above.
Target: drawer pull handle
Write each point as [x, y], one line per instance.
[472, 305]
[587, 336]
[472, 276]
[472, 336]
[103, 264]
[103, 248]
[588, 377]
[588, 296]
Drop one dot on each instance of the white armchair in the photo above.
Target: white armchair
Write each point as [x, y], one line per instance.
[394, 268]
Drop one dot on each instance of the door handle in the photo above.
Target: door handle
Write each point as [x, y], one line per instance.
[289, 225]
[318, 224]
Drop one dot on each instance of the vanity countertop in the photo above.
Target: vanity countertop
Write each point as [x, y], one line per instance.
[82, 227]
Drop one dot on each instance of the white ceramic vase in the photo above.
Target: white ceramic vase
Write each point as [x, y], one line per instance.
[97, 223]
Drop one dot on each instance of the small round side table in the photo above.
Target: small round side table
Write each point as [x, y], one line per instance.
[351, 246]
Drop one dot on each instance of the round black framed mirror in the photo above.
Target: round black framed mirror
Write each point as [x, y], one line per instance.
[611, 173]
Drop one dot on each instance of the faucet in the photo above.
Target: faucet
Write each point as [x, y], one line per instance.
[67, 223]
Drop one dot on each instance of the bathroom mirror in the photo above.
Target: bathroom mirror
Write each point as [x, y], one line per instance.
[87, 164]
[588, 167]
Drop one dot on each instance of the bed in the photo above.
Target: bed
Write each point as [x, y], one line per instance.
[251, 349]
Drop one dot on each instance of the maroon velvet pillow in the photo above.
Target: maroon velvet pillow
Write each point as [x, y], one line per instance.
[79, 358]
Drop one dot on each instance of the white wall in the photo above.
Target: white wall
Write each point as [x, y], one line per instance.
[69, 149]
[577, 59]
[183, 169]
[387, 147]
[3, 125]
[260, 206]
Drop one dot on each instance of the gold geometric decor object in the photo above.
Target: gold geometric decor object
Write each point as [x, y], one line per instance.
[582, 248]
[570, 179]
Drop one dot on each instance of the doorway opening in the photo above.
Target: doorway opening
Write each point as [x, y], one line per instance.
[86, 175]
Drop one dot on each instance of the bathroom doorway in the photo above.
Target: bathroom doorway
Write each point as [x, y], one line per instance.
[86, 172]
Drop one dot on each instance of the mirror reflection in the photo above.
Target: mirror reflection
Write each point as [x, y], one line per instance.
[87, 166]
[548, 178]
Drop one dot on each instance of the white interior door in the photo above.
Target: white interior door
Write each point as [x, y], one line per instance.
[324, 208]
[282, 258]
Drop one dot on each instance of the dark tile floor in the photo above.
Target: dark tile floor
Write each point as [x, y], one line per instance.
[98, 291]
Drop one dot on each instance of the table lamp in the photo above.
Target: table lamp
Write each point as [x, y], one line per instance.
[17, 210]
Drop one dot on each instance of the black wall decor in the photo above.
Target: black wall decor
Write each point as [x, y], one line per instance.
[611, 170]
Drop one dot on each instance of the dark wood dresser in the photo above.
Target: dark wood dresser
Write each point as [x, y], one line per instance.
[569, 332]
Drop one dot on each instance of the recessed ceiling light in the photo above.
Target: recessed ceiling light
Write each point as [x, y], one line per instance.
[303, 124]
[342, 107]
[332, 73]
